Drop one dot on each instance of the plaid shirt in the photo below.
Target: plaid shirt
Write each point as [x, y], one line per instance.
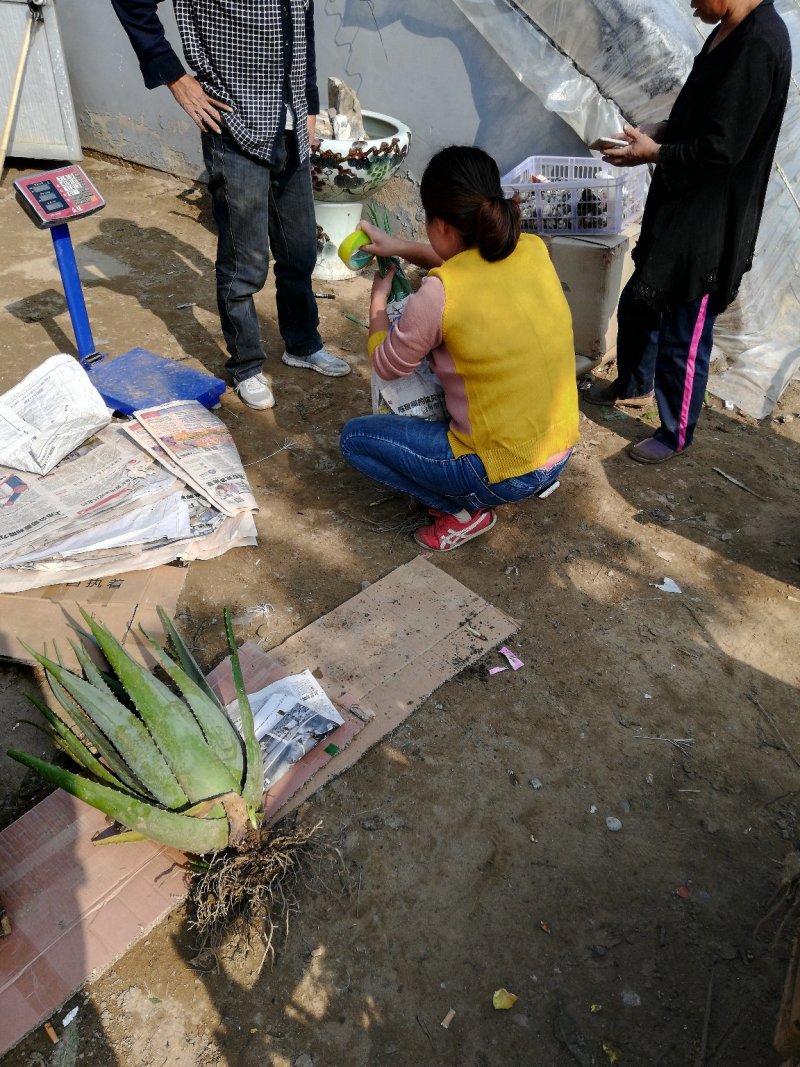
[255, 55]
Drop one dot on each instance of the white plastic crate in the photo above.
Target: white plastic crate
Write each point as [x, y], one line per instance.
[578, 195]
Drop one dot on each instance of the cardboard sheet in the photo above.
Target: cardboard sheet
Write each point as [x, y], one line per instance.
[75, 907]
[123, 602]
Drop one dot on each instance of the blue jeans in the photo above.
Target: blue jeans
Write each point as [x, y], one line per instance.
[669, 352]
[258, 206]
[414, 456]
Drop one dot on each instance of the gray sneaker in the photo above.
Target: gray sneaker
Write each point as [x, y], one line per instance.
[321, 361]
[255, 392]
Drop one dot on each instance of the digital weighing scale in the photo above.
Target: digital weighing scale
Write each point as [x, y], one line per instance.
[137, 378]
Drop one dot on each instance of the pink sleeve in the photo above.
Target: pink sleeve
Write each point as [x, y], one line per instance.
[416, 333]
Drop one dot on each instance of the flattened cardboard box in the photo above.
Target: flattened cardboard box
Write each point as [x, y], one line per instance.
[123, 602]
[76, 908]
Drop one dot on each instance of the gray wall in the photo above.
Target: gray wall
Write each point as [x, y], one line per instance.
[419, 60]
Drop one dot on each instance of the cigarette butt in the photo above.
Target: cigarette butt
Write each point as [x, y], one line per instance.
[445, 1023]
[325, 296]
[48, 1029]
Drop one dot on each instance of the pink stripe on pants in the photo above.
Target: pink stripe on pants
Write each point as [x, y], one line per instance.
[691, 362]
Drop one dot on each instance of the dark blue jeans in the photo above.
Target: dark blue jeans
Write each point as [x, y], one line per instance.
[669, 352]
[258, 206]
[414, 456]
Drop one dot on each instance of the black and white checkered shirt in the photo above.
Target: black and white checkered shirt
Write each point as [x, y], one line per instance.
[255, 55]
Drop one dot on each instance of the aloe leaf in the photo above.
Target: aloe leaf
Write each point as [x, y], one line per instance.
[195, 765]
[253, 789]
[74, 747]
[90, 729]
[173, 727]
[125, 837]
[185, 657]
[128, 734]
[166, 827]
[204, 811]
[92, 673]
[212, 718]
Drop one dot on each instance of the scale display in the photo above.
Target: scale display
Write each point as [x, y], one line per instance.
[58, 196]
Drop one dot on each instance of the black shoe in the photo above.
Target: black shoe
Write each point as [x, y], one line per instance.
[604, 393]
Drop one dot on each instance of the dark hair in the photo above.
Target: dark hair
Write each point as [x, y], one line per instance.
[461, 186]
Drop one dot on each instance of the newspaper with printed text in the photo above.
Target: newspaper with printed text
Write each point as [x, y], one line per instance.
[201, 445]
[291, 716]
[48, 414]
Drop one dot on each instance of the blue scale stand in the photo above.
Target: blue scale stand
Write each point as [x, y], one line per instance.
[136, 378]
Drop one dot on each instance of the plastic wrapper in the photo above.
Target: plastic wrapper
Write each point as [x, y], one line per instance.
[598, 63]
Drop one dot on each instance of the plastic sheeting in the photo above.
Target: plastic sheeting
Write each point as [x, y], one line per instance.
[593, 62]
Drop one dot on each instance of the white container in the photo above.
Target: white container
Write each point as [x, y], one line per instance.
[564, 194]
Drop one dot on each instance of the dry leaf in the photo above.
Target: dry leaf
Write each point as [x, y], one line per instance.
[613, 1054]
[503, 1000]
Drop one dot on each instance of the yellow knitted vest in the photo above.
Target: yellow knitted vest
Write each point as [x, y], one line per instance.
[508, 328]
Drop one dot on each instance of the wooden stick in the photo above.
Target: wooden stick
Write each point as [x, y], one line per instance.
[15, 90]
[735, 481]
[787, 748]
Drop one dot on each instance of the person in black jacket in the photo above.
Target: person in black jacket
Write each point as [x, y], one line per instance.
[714, 155]
[254, 98]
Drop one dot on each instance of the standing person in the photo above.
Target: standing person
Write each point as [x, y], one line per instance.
[494, 319]
[254, 98]
[714, 156]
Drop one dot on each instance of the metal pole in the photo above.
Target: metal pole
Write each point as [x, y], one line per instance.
[65, 255]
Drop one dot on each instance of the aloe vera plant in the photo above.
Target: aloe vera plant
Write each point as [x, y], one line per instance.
[167, 765]
[401, 286]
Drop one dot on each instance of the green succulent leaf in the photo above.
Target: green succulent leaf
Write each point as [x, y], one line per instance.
[74, 747]
[185, 657]
[177, 830]
[253, 789]
[124, 731]
[211, 716]
[89, 729]
[196, 766]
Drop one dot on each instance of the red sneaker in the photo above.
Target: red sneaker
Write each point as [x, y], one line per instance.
[446, 532]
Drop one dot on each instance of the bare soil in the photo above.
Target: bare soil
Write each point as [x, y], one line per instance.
[674, 713]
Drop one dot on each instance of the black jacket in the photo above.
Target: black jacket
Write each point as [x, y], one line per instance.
[705, 202]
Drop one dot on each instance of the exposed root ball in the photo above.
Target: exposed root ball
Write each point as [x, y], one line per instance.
[256, 891]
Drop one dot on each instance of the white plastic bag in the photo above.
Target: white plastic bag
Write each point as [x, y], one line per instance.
[419, 394]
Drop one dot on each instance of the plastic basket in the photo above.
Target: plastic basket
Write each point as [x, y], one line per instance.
[577, 195]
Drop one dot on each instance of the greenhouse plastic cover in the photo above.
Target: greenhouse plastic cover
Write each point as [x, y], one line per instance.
[597, 63]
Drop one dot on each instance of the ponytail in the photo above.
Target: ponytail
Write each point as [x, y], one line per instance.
[461, 186]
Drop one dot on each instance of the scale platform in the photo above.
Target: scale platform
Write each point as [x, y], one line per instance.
[137, 378]
[140, 379]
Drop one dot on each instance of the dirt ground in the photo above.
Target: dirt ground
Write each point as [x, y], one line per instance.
[674, 713]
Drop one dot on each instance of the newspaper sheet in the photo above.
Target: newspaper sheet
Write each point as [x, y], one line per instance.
[291, 717]
[48, 414]
[106, 474]
[201, 445]
[232, 532]
[139, 434]
[419, 394]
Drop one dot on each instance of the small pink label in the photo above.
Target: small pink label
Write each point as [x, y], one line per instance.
[514, 660]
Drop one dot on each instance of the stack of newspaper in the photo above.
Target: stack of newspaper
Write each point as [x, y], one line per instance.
[167, 485]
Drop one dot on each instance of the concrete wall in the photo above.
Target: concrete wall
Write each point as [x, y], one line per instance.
[419, 60]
